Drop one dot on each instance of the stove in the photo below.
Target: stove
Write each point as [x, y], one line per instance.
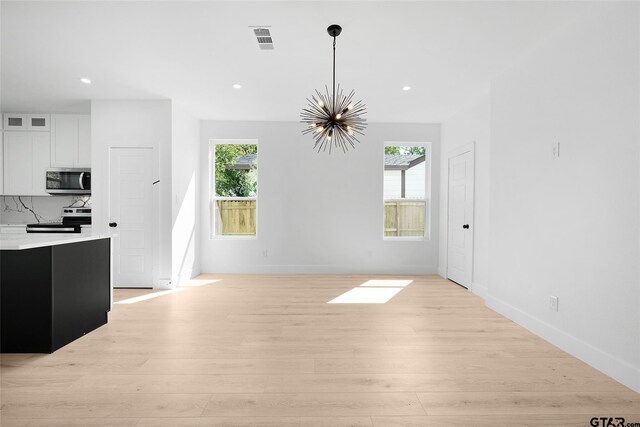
[72, 220]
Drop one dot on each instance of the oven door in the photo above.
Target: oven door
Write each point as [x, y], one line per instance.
[69, 181]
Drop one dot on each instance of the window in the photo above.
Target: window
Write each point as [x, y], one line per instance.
[405, 190]
[234, 188]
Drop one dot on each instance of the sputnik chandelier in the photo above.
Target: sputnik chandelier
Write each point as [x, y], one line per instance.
[334, 120]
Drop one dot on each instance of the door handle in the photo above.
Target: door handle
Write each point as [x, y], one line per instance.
[466, 226]
[113, 224]
[80, 180]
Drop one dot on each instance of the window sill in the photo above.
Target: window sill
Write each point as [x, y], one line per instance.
[233, 237]
[405, 238]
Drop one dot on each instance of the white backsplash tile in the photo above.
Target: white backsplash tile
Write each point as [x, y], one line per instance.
[33, 209]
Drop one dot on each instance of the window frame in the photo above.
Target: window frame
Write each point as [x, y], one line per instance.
[212, 188]
[427, 190]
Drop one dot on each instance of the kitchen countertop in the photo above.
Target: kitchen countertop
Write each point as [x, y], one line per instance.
[18, 241]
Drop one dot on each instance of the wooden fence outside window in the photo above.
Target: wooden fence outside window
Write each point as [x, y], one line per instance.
[404, 218]
[235, 217]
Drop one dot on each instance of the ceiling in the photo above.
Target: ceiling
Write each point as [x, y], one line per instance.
[192, 52]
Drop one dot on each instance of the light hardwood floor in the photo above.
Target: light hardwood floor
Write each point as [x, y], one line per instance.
[269, 351]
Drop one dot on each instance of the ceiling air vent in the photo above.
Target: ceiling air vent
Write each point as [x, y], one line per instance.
[263, 36]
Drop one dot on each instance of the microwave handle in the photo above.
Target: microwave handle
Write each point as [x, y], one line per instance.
[81, 180]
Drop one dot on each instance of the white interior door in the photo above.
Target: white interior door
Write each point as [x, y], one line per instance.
[460, 233]
[131, 216]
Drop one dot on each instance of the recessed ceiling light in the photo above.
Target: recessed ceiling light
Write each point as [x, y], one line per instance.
[237, 86]
[406, 88]
[85, 81]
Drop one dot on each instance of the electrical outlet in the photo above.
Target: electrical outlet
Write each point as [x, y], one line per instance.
[555, 149]
[165, 284]
[553, 303]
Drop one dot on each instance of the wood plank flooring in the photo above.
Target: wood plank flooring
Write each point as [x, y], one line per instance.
[269, 351]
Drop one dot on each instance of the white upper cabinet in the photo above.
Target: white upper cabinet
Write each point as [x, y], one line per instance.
[33, 143]
[2, 164]
[64, 137]
[70, 141]
[25, 160]
[84, 142]
[31, 122]
[18, 178]
[15, 121]
[41, 143]
[38, 122]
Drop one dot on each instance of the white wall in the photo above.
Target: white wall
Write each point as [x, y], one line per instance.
[134, 124]
[185, 211]
[318, 213]
[472, 125]
[568, 226]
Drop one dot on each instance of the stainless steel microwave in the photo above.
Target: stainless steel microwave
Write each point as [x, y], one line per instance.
[69, 181]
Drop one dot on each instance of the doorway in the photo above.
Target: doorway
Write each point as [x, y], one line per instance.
[131, 216]
[460, 216]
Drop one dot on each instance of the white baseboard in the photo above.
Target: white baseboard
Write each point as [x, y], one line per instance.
[321, 269]
[185, 276]
[164, 284]
[479, 290]
[617, 369]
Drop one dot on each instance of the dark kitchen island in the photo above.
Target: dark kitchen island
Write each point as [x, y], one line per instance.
[54, 288]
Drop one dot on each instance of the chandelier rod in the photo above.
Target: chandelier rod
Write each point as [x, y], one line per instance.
[334, 73]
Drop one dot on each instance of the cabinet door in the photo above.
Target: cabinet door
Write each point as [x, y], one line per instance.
[83, 159]
[15, 121]
[2, 164]
[18, 167]
[40, 143]
[64, 134]
[38, 122]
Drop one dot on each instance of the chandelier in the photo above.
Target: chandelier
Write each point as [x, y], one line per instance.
[334, 119]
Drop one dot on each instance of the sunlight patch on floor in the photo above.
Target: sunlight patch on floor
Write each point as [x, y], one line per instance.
[372, 292]
[192, 283]
[149, 296]
[366, 296]
[388, 283]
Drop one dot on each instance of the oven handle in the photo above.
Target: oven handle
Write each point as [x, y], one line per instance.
[81, 180]
[49, 229]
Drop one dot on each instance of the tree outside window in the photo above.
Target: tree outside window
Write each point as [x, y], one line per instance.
[236, 187]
